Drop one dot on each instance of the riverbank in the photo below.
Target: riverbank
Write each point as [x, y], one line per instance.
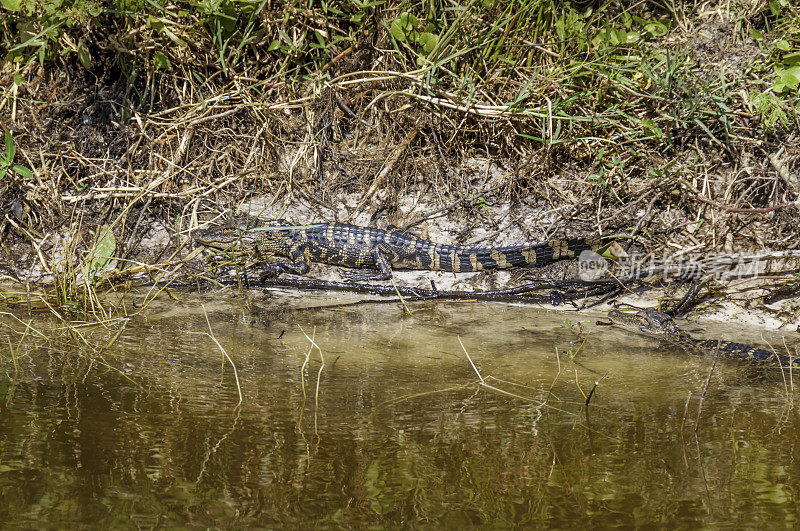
[674, 128]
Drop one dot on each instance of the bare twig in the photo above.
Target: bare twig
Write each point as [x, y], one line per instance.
[705, 386]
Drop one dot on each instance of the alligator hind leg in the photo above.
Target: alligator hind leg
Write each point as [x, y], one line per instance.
[274, 269]
[382, 264]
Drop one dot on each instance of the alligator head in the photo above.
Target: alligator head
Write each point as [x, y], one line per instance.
[650, 321]
[237, 233]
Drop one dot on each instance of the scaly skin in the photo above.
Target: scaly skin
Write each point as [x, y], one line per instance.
[357, 247]
[661, 325]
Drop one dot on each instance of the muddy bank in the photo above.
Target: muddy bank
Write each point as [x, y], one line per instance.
[684, 169]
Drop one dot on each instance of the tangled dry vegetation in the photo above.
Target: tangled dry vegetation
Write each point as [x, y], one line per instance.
[673, 123]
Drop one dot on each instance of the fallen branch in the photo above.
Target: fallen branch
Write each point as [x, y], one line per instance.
[739, 210]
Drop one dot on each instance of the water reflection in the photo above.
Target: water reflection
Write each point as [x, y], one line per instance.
[393, 430]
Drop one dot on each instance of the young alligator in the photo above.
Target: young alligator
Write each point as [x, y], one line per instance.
[367, 248]
[661, 325]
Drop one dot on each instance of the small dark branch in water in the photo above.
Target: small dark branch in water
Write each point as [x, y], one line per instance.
[537, 291]
[281, 334]
[610, 295]
[686, 409]
[596, 383]
[705, 387]
[589, 397]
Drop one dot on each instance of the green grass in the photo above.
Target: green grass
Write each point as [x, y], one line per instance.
[560, 71]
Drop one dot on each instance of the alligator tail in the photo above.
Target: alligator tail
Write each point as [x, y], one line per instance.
[746, 352]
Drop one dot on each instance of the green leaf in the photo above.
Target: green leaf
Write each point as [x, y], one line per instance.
[101, 253]
[757, 35]
[19, 80]
[274, 45]
[656, 29]
[791, 59]
[10, 149]
[11, 5]
[396, 29]
[174, 38]
[789, 77]
[403, 28]
[23, 171]
[161, 61]
[428, 41]
[84, 56]
[409, 22]
[155, 23]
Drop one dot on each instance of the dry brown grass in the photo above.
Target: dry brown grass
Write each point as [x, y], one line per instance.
[660, 139]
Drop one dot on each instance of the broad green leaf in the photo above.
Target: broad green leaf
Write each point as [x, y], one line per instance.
[161, 61]
[23, 171]
[19, 80]
[84, 56]
[11, 5]
[274, 45]
[757, 35]
[409, 22]
[10, 149]
[656, 29]
[101, 253]
[396, 30]
[428, 41]
[791, 59]
[790, 77]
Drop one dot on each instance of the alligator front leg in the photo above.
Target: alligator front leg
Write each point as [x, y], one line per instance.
[298, 253]
[298, 265]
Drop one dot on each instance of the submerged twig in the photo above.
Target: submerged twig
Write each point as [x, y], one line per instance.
[596, 383]
[705, 386]
[210, 334]
[483, 382]
[319, 372]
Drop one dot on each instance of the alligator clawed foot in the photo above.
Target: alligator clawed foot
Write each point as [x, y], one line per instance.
[268, 272]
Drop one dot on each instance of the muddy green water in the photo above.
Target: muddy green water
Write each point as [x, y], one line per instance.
[392, 431]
